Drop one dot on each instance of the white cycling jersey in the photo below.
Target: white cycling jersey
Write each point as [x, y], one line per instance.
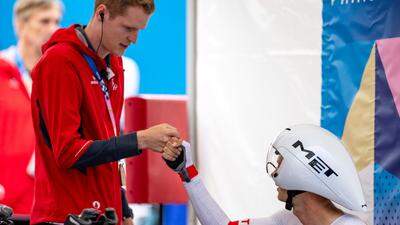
[285, 217]
[209, 212]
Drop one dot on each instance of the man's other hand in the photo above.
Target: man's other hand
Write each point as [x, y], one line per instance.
[156, 137]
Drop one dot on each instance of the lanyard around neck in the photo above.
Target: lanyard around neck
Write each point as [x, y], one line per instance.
[20, 64]
[104, 89]
[81, 30]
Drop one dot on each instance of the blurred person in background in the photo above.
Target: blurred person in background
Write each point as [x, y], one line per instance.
[34, 22]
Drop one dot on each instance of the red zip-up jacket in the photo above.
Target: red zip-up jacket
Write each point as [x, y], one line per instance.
[16, 140]
[69, 115]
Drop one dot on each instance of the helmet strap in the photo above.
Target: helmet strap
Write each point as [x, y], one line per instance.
[291, 194]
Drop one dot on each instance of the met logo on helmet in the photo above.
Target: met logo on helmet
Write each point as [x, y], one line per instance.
[315, 162]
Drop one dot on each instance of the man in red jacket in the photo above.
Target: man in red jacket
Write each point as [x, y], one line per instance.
[77, 97]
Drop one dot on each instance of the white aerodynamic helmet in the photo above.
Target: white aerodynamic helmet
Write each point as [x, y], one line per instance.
[310, 158]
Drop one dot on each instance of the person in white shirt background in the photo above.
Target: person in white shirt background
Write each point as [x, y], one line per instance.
[145, 214]
[311, 168]
[34, 22]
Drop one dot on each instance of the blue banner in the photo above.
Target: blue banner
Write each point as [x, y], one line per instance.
[360, 91]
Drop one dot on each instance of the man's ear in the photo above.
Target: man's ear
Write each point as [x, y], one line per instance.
[101, 12]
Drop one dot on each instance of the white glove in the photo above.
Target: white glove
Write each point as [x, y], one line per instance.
[184, 163]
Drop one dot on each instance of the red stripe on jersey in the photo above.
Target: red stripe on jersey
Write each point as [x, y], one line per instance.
[192, 171]
[239, 223]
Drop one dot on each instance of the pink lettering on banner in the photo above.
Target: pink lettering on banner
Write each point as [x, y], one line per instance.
[389, 50]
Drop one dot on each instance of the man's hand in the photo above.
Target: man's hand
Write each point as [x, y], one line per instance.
[172, 149]
[128, 221]
[156, 137]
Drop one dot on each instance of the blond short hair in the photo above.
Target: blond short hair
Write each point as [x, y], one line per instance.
[23, 9]
[118, 7]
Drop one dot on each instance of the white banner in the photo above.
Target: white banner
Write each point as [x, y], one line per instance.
[258, 71]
